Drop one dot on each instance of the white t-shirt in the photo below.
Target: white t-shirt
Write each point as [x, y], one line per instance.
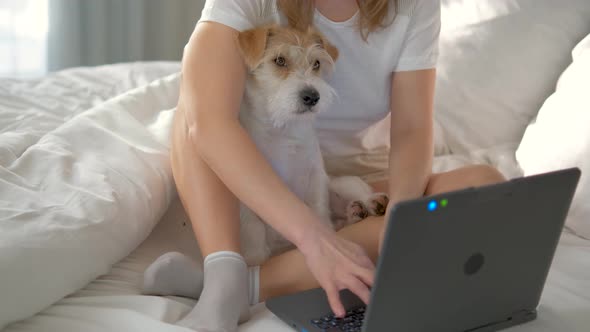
[354, 132]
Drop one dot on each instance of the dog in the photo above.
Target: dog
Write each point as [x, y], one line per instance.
[285, 88]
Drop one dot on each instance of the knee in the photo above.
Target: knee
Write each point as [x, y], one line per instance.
[477, 175]
[481, 175]
[471, 176]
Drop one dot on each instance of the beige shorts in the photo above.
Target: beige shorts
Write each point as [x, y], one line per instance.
[369, 167]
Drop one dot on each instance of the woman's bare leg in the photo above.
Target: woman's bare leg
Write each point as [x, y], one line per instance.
[214, 212]
[470, 176]
[288, 273]
[213, 209]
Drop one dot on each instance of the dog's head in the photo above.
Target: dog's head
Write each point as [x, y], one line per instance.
[287, 70]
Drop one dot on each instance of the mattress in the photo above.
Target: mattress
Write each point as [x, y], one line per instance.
[113, 301]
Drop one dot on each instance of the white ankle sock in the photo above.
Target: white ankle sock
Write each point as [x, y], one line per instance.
[224, 301]
[254, 289]
[176, 274]
[173, 274]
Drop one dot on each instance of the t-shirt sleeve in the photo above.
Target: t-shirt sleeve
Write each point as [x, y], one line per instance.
[240, 15]
[420, 50]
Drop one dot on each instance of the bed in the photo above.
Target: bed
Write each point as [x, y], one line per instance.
[87, 199]
[113, 301]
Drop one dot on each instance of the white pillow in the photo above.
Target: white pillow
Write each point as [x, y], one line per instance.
[560, 136]
[83, 197]
[499, 60]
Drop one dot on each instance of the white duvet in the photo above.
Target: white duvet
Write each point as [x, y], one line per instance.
[78, 198]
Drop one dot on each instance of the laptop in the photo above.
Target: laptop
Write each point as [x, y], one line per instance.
[470, 260]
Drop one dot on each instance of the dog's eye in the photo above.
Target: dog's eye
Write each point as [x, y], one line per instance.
[316, 65]
[281, 62]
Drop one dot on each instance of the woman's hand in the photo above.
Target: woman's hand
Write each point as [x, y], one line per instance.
[338, 264]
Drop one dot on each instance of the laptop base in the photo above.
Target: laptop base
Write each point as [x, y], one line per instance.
[518, 318]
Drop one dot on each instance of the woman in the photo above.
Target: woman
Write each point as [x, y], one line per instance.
[381, 128]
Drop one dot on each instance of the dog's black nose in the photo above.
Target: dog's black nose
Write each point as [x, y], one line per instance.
[310, 97]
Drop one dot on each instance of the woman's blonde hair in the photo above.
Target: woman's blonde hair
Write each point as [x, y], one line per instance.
[373, 14]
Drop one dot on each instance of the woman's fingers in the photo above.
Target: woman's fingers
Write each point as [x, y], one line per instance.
[334, 300]
[367, 276]
[340, 264]
[367, 262]
[359, 289]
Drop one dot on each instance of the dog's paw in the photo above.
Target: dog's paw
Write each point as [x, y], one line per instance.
[356, 211]
[377, 204]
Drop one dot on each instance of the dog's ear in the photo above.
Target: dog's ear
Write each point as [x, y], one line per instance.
[252, 44]
[325, 43]
[331, 49]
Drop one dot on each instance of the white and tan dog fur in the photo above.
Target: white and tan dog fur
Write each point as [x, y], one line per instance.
[285, 89]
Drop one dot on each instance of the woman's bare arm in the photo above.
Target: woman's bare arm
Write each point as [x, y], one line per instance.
[411, 153]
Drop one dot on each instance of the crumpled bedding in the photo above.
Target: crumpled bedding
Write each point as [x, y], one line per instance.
[79, 190]
[98, 181]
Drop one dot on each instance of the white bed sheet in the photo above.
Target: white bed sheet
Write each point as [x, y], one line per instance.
[113, 302]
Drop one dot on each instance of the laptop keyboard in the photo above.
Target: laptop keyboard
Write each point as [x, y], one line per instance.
[352, 322]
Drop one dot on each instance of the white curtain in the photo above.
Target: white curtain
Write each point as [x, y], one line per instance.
[95, 32]
[23, 38]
